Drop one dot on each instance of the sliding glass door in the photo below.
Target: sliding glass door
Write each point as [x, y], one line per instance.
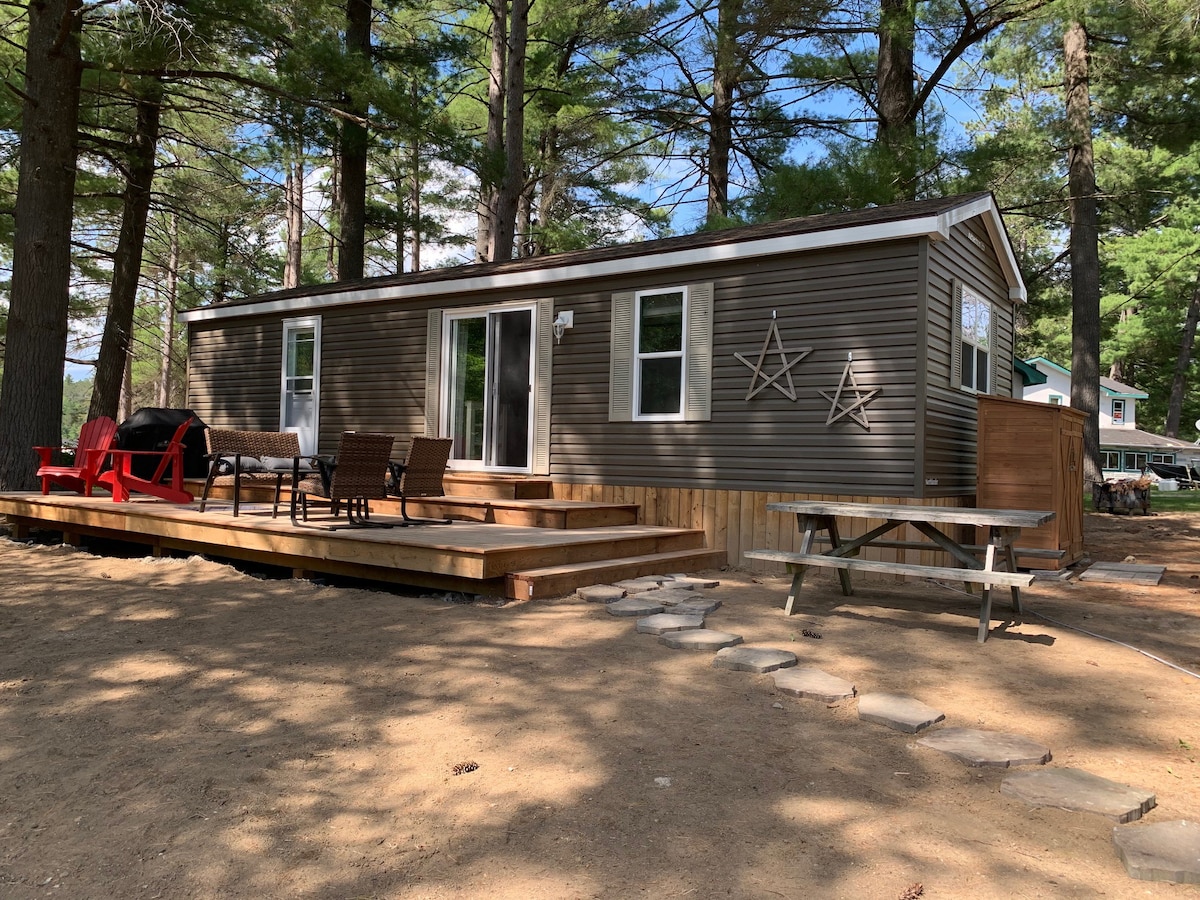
[489, 387]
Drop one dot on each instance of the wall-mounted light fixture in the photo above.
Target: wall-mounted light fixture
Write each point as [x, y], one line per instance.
[563, 321]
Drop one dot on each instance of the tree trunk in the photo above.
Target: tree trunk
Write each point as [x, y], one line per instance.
[415, 208]
[31, 393]
[726, 76]
[293, 191]
[1116, 369]
[117, 341]
[895, 77]
[526, 244]
[221, 282]
[170, 305]
[335, 204]
[504, 230]
[1182, 363]
[1084, 248]
[352, 211]
[492, 164]
[125, 409]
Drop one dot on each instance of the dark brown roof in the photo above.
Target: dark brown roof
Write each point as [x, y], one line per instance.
[826, 222]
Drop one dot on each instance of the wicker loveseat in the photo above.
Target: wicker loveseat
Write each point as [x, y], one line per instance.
[255, 457]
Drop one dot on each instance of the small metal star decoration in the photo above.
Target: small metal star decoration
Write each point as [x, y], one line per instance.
[785, 370]
[855, 409]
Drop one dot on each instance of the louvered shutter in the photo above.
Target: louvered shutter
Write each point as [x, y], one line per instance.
[697, 404]
[991, 339]
[433, 372]
[543, 364]
[956, 335]
[620, 375]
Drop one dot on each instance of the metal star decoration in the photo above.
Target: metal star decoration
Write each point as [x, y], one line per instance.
[856, 409]
[785, 370]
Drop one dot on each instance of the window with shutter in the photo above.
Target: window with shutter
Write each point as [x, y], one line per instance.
[661, 364]
[973, 363]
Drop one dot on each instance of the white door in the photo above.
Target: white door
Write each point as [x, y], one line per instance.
[489, 379]
[299, 406]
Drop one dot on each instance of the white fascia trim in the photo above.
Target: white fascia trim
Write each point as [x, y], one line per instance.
[1124, 395]
[935, 227]
[1036, 360]
[986, 207]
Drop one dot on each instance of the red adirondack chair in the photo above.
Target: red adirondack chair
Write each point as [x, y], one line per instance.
[95, 442]
[121, 480]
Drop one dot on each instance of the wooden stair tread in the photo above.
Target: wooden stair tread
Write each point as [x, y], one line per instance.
[524, 504]
[534, 512]
[554, 581]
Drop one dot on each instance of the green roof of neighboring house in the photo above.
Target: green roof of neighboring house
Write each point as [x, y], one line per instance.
[1109, 386]
[1029, 374]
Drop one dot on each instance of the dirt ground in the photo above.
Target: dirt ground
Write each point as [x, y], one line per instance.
[175, 728]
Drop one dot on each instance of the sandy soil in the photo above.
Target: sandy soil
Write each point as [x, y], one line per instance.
[176, 728]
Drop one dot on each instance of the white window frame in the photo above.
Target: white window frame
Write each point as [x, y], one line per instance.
[536, 338]
[698, 350]
[969, 296]
[1118, 419]
[1167, 459]
[308, 442]
[680, 354]
[1113, 456]
[1137, 466]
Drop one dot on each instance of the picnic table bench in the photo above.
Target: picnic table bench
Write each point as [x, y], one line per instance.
[1004, 525]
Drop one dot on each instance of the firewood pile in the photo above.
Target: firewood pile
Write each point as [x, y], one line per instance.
[1122, 496]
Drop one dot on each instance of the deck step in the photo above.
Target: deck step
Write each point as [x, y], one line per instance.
[554, 581]
[532, 512]
[498, 487]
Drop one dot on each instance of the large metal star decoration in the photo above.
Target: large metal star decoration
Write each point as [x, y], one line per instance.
[855, 409]
[785, 370]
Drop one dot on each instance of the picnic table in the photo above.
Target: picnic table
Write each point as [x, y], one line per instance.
[1004, 526]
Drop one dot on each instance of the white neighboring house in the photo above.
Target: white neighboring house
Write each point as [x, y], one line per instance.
[1124, 448]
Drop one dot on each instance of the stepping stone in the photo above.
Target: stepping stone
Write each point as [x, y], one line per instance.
[645, 583]
[600, 593]
[1164, 851]
[1079, 791]
[813, 684]
[671, 596]
[894, 711]
[987, 748]
[633, 606]
[1123, 573]
[753, 659]
[664, 622]
[699, 639]
[700, 606]
[693, 582]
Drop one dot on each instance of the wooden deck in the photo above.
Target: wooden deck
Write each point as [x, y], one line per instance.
[516, 561]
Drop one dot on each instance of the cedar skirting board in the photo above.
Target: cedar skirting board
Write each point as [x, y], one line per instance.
[736, 521]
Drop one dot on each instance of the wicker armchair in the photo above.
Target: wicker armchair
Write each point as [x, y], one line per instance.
[236, 457]
[356, 476]
[420, 475]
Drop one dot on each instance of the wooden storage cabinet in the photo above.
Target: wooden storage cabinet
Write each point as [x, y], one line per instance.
[1030, 456]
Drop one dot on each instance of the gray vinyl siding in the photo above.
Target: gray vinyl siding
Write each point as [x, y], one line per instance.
[951, 413]
[373, 372]
[888, 304]
[234, 373]
[372, 365]
[862, 302]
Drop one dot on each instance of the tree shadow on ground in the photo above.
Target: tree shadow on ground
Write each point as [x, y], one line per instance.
[173, 728]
